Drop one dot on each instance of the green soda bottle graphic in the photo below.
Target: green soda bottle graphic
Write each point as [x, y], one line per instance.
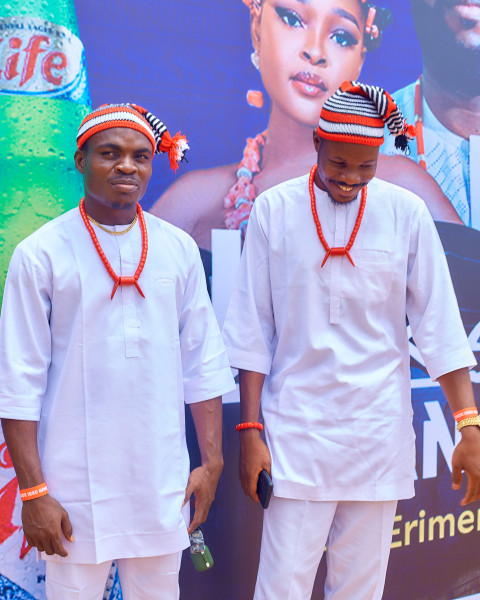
[43, 98]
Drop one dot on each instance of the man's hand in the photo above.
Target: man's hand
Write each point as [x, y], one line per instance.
[202, 483]
[44, 521]
[457, 387]
[466, 458]
[254, 456]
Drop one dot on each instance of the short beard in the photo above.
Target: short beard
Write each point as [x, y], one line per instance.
[338, 203]
[122, 205]
[454, 65]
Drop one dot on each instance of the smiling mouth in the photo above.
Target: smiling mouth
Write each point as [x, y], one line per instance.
[346, 189]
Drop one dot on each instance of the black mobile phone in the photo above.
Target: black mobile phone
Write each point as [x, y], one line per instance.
[264, 488]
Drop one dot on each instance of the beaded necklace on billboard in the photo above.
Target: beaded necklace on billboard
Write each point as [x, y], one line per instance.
[239, 199]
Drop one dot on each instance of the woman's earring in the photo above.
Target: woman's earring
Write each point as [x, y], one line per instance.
[255, 60]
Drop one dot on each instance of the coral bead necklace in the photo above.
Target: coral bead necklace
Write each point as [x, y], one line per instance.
[335, 251]
[119, 280]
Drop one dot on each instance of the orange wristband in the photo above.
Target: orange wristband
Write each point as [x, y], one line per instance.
[34, 492]
[241, 426]
[465, 413]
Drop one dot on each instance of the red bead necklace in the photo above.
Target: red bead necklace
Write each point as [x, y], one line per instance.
[335, 251]
[119, 280]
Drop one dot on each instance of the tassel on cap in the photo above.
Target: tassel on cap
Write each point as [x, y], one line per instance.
[401, 140]
[175, 147]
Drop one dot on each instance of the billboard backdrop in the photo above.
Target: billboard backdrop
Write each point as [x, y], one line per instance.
[189, 62]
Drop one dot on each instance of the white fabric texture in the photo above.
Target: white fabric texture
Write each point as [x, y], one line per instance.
[150, 578]
[357, 535]
[107, 379]
[332, 341]
[447, 155]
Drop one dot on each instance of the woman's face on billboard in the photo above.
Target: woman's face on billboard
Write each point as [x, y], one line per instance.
[307, 48]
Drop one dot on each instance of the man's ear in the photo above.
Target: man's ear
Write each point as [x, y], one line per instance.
[317, 141]
[79, 159]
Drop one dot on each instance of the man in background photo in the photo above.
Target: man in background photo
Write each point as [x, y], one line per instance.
[444, 103]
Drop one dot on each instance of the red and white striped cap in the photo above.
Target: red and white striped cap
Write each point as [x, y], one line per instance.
[114, 115]
[357, 113]
[136, 117]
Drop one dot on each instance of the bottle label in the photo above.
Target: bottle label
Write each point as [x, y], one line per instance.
[40, 58]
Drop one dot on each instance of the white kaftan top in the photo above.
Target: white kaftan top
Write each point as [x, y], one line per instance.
[107, 379]
[447, 155]
[332, 341]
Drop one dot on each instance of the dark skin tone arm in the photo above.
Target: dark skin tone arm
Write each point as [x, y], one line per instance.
[457, 387]
[202, 483]
[254, 454]
[45, 521]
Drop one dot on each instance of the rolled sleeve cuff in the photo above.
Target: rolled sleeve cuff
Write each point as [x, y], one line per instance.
[457, 359]
[19, 408]
[203, 388]
[249, 361]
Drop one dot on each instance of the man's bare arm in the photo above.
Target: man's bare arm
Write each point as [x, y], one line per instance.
[457, 387]
[254, 454]
[203, 480]
[44, 519]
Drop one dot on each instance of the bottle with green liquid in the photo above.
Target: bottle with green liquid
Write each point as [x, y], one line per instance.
[43, 98]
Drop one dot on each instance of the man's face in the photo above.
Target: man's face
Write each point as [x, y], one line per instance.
[116, 165]
[449, 35]
[343, 169]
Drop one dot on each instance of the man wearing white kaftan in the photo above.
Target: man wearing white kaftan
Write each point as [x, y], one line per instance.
[333, 264]
[332, 341]
[106, 374]
[111, 411]
[333, 345]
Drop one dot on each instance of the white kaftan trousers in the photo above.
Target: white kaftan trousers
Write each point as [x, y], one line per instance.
[295, 532]
[152, 578]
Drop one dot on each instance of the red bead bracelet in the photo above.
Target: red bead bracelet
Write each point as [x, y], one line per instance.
[241, 426]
